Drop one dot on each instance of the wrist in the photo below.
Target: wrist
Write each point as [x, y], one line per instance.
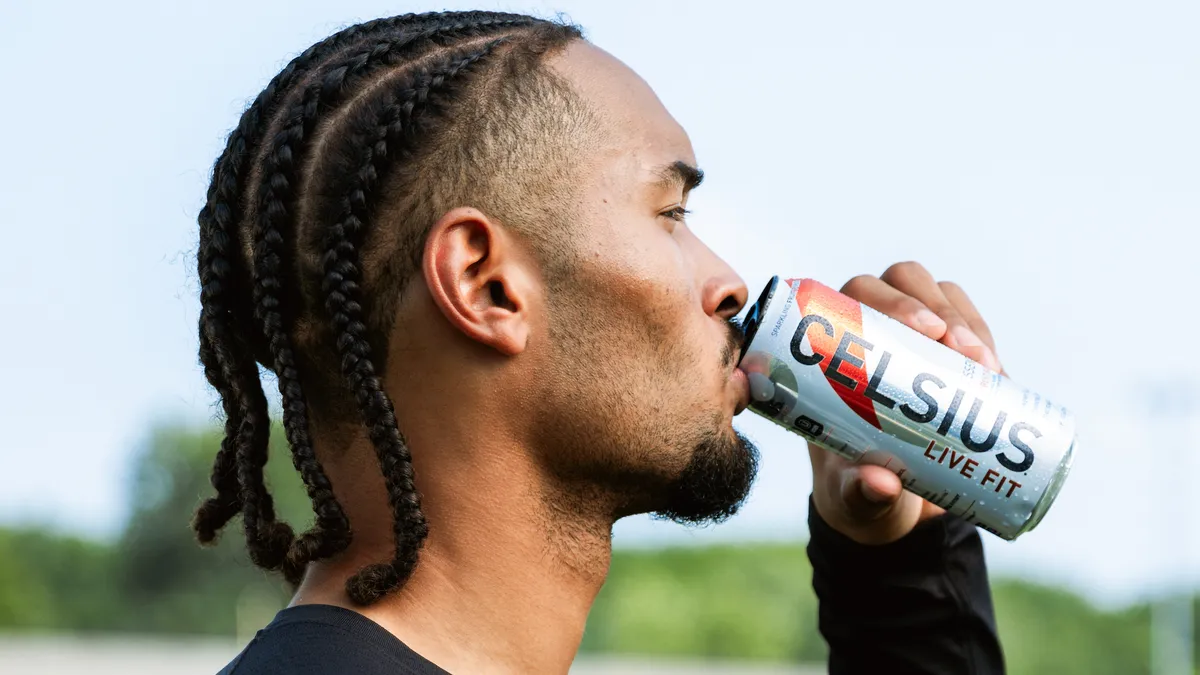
[921, 546]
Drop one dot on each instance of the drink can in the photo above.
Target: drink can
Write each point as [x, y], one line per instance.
[862, 385]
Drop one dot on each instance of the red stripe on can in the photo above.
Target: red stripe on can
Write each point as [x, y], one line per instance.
[846, 315]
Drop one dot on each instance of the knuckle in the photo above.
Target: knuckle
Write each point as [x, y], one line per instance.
[859, 285]
[903, 270]
[949, 287]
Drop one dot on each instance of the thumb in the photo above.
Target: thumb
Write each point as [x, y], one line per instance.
[870, 492]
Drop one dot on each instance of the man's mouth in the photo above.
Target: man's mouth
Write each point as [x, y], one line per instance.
[743, 390]
[729, 359]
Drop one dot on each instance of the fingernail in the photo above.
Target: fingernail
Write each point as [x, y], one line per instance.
[991, 361]
[873, 495]
[965, 337]
[928, 318]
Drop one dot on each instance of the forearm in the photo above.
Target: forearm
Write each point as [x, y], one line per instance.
[919, 605]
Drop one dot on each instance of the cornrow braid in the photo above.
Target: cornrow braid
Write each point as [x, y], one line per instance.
[267, 540]
[372, 91]
[230, 369]
[341, 286]
[216, 511]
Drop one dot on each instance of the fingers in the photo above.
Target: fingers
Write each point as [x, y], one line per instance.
[912, 278]
[903, 307]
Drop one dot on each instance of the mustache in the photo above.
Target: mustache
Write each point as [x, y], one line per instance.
[733, 344]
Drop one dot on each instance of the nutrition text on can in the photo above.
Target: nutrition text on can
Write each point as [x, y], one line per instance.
[857, 383]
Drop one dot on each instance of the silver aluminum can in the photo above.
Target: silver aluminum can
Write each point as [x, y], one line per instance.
[862, 385]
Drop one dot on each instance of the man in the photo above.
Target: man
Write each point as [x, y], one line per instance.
[459, 241]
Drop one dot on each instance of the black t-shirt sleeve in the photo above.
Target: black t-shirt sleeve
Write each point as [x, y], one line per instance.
[918, 605]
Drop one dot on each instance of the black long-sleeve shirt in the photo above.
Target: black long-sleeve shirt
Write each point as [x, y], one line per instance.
[919, 605]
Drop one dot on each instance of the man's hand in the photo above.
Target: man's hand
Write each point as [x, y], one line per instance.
[866, 502]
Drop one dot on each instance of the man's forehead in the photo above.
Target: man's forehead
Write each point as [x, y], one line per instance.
[623, 100]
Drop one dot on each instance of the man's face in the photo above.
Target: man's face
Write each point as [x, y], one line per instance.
[639, 387]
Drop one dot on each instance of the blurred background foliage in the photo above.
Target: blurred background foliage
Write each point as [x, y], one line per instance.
[751, 601]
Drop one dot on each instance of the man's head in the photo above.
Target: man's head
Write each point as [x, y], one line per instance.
[468, 208]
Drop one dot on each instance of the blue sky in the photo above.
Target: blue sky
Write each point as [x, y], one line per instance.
[1045, 155]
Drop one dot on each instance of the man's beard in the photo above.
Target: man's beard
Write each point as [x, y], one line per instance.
[709, 488]
[714, 484]
[717, 479]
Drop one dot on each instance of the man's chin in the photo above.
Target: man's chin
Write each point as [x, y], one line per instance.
[714, 484]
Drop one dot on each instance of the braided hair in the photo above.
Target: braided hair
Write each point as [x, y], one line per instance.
[384, 122]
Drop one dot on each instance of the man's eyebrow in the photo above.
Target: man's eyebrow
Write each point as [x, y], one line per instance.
[680, 172]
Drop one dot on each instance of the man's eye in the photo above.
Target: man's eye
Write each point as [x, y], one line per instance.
[678, 213]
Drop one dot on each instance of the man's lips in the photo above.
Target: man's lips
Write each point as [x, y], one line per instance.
[743, 390]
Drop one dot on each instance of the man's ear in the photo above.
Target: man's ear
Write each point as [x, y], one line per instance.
[480, 279]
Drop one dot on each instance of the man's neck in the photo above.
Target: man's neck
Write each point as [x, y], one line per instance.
[507, 575]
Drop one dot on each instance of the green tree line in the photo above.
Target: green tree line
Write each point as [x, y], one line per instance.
[745, 601]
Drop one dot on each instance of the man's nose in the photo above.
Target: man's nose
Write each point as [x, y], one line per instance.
[724, 292]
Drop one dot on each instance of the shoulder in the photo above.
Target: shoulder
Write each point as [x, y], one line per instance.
[323, 640]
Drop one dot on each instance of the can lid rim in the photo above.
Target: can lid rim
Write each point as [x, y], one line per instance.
[754, 316]
[1048, 497]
